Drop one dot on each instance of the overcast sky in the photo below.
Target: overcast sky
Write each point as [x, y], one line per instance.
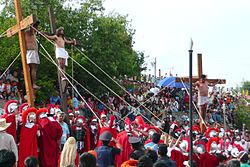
[220, 30]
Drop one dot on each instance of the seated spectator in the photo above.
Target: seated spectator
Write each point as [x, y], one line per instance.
[31, 162]
[87, 160]
[7, 158]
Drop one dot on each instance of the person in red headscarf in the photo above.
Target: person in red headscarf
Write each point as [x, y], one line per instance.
[49, 141]
[11, 110]
[28, 136]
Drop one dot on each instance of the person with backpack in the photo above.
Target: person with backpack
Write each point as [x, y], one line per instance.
[105, 153]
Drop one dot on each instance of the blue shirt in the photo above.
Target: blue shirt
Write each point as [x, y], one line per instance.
[152, 146]
[65, 130]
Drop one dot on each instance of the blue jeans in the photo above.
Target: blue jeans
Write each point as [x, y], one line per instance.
[216, 117]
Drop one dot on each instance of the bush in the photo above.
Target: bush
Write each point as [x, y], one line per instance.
[243, 115]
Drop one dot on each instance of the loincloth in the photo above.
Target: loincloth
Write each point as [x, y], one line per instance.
[202, 100]
[62, 53]
[32, 57]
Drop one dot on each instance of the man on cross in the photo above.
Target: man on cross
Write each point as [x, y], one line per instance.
[61, 53]
[32, 52]
[202, 87]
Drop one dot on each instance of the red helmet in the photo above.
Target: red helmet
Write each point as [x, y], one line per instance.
[139, 121]
[30, 111]
[23, 107]
[11, 106]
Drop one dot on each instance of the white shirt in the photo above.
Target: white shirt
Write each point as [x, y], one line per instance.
[7, 142]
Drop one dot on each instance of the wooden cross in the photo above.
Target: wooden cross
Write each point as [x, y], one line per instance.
[19, 28]
[196, 78]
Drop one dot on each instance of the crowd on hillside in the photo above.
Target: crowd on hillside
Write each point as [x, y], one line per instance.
[145, 127]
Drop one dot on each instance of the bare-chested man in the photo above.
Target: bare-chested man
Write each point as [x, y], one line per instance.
[61, 53]
[32, 53]
[202, 87]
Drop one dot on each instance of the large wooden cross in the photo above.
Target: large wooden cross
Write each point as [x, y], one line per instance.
[19, 28]
[196, 78]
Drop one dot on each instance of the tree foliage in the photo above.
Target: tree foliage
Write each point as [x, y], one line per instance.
[105, 39]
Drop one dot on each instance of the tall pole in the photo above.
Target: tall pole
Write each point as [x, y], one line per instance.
[60, 82]
[26, 72]
[190, 103]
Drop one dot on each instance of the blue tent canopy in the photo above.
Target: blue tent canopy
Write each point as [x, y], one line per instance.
[171, 82]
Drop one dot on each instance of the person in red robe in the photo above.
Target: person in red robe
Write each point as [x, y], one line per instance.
[49, 140]
[10, 115]
[111, 129]
[122, 138]
[28, 136]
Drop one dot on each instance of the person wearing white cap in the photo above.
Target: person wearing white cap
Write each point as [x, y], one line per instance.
[6, 140]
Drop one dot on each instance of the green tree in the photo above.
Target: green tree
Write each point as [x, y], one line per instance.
[106, 39]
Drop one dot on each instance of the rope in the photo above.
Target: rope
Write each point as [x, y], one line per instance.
[202, 120]
[10, 65]
[94, 77]
[69, 81]
[4, 34]
[80, 85]
[242, 98]
[142, 104]
[116, 83]
[110, 89]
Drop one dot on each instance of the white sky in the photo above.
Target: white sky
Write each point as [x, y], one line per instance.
[220, 30]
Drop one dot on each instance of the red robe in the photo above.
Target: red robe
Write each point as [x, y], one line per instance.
[178, 157]
[49, 142]
[28, 144]
[122, 138]
[207, 160]
[11, 118]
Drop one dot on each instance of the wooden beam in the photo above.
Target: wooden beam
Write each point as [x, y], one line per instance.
[199, 62]
[28, 85]
[21, 26]
[213, 81]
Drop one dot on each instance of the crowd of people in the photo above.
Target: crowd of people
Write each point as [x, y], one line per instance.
[143, 128]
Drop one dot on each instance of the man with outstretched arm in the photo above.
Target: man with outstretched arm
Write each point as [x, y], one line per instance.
[61, 53]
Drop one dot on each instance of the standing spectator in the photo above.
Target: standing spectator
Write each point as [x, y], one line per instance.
[69, 155]
[65, 128]
[31, 162]
[105, 153]
[7, 158]
[87, 160]
[243, 158]
[162, 153]
[6, 140]
[145, 161]
[154, 144]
